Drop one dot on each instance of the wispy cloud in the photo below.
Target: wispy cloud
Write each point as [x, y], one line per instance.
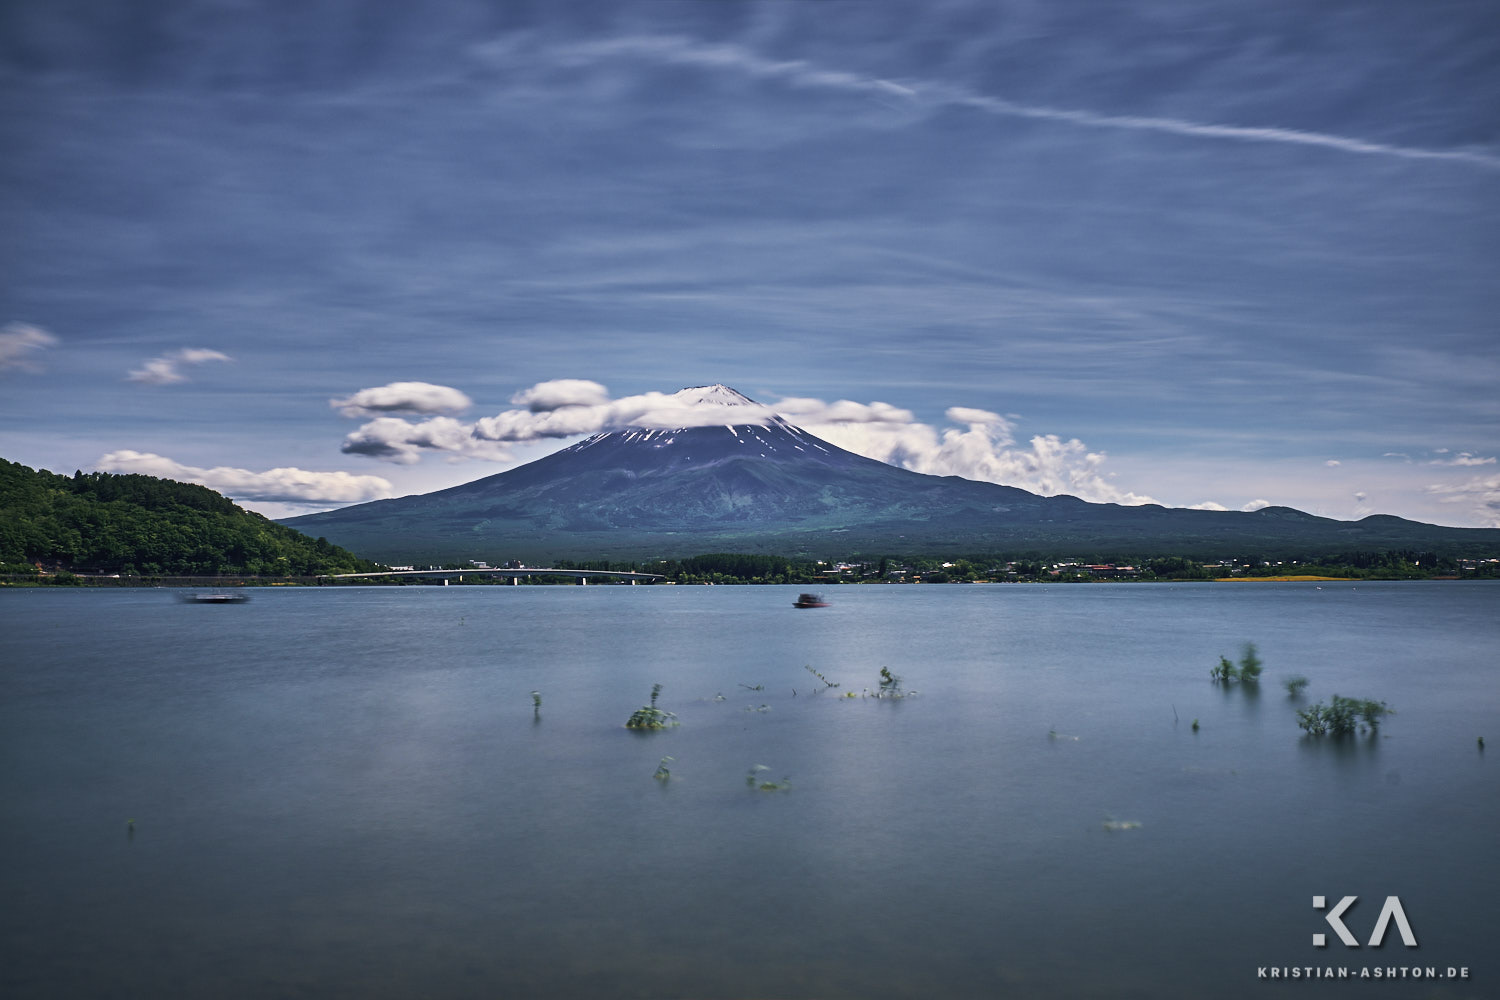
[290, 485]
[681, 50]
[1482, 494]
[402, 397]
[20, 343]
[167, 368]
[1463, 458]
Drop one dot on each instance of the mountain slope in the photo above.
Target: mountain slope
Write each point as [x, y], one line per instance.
[755, 483]
[140, 524]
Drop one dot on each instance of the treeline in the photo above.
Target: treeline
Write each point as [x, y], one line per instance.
[717, 567]
[98, 522]
[732, 568]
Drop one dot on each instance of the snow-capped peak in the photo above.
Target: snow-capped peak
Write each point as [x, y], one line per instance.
[713, 395]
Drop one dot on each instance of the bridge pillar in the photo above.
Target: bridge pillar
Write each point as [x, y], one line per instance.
[515, 580]
[583, 581]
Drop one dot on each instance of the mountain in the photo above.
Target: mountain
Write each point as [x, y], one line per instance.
[740, 479]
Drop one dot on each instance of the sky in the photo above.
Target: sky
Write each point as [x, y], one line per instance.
[1222, 253]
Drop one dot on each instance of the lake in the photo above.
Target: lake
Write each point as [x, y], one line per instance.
[347, 792]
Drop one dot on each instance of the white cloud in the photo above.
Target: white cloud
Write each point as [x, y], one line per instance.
[19, 345]
[1333, 463]
[402, 397]
[285, 484]
[392, 439]
[1207, 505]
[167, 368]
[1255, 505]
[559, 392]
[983, 449]
[1482, 493]
[561, 413]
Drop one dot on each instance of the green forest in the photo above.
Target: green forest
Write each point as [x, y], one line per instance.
[96, 522]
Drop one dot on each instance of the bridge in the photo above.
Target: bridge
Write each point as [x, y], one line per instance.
[581, 575]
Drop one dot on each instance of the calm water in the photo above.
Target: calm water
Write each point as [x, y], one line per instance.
[345, 792]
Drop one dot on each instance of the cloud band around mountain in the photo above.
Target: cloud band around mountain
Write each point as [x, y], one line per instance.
[981, 446]
[289, 485]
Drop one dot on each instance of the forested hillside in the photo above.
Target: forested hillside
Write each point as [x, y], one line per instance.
[98, 522]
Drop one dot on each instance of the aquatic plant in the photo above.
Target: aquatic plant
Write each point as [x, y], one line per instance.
[662, 772]
[649, 716]
[1195, 725]
[1342, 716]
[826, 682]
[536, 701]
[754, 780]
[1250, 665]
[1247, 671]
[753, 687]
[761, 708]
[1294, 685]
[890, 685]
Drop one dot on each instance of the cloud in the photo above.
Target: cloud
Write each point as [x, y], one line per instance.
[166, 369]
[571, 407]
[286, 484]
[1462, 458]
[1255, 505]
[683, 51]
[982, 448]
[547, 396]
[1207, 505]
[20, 343]
[392, 439]
[1333, 463]
[402, 397]
[1482, 493]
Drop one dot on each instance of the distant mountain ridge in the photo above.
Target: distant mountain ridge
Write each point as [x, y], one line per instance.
[757, 483]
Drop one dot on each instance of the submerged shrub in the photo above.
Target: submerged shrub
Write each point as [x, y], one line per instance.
[1294, 685]
[1224, 672]
[1342, 716]
[649, 716]
[1250, 665]
[890, 685]
[754, 780]
[1247, 671]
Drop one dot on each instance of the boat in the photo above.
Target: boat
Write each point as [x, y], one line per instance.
[810, 601]
[218, 597]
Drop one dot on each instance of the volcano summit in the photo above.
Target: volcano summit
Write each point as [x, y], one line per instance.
[710, 470]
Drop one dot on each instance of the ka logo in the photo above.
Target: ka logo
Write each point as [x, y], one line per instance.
[1391, 911]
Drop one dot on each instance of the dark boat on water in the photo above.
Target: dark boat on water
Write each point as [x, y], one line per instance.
[217, 597]
[810, 601]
